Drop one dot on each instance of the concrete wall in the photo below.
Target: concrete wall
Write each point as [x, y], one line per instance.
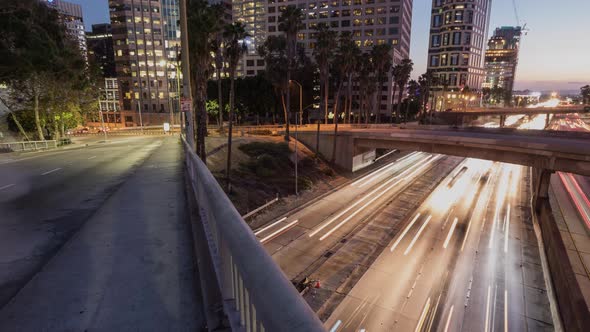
[348, 156]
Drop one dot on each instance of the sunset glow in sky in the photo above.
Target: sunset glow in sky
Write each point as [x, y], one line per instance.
[555, 55]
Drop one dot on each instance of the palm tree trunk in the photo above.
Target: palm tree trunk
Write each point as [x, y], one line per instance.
[219, 101]
[377, 106]
[399, 102]
[326, 95]
[336, 104]
[229, 133]
[393, 100]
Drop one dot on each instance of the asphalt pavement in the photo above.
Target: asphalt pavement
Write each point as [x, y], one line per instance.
[96, 238]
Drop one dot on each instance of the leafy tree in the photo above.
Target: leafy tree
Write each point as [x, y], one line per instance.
[290, 22]
[35, 53]
[323, 52]
[403, 75]
[381, 57]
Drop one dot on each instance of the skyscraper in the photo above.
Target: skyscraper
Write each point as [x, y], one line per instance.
[502, 58]
[141, 63]
[71, 16]
[371, 22]
[458, 31]
[100, 49]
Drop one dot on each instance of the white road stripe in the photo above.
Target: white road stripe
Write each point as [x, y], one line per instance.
[277, 232]
[417, 235]
[91, 157]
[269, 226]
[373, 175]
[505, 310]
[53, 170]
[450, 233]
[404, 232]
[7, 186]
[449, 319]
[336, 326]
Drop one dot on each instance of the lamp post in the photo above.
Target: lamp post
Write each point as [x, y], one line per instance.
[296, 132]
[164, 64]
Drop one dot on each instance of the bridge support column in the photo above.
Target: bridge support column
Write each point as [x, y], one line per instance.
[570, 301]
[547, 120]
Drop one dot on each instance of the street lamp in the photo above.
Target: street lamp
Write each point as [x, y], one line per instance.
[296, 132]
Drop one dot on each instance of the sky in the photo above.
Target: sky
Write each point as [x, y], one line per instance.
[554, 55]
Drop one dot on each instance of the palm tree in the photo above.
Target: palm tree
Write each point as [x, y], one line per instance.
[290, 21]
[235, 46]
[414, 91]
[275, 59]
[347, 54]
[405, 70]
[426, 81]
[381, 58]
[395, 72]
[323, 52]
[218, 48]
[364, 70]
[204, 22]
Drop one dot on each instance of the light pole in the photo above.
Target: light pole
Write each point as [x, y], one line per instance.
[296, 131]
[164, 63]
[186, 86]
[104, 130]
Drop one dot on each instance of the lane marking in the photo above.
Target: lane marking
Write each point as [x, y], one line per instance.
[279, 231]
[449, 319]
[7, 186]
[268, 226]
[487, 323]
[417, 235]
[336, 326]
[422, 316]
[450, 233]
[91, 157]
[507, 233]
[53, 170]
[383, 168]
[394, 164]
[486, 206]
[319, 229]
[404, 232]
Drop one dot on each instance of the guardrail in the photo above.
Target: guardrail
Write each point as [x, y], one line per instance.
[257, 296]
[28, 146]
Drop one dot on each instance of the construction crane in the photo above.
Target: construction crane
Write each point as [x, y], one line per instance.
[523, 27]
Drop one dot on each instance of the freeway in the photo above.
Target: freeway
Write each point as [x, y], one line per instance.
[466, 260]
[46, 197]
[296, 241]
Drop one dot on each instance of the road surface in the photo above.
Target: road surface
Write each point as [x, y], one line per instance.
[96, 238]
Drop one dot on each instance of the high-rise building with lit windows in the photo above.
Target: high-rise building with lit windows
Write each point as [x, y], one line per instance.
[502, 57]
[70, 14]
[458, 32]
[139, 40]
[370, 22]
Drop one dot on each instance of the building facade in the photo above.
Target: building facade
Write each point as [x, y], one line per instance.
[371, 22]
[109, 96]
[100, 49]
[502, 58]
[71, 16]
[141, 62]
[458, 31]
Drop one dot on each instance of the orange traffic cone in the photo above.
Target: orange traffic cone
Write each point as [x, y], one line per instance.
[317, 284]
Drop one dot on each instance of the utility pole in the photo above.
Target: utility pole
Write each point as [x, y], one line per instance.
[186, 92]
[104, 130]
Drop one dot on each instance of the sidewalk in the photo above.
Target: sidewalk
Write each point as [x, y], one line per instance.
[130, 268]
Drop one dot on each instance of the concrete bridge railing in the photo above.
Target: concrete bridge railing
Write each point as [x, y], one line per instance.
[254, 293]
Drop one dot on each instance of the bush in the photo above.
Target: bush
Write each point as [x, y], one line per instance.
[255, 149]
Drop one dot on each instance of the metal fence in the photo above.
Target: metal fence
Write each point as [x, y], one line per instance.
[257, 296]
[28, 146]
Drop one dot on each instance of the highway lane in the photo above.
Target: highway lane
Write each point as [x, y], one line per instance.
[296, 241]
[464, 243]
[46, 197]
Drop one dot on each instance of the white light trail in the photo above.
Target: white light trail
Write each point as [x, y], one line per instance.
[487, 321]
[507, 233]
[404, 232]
[49, 172]
[417, 235]
[423, 316]
[279, 231]
[269, 226]
[450, 233]
[336, 326]
[7, 186]
[449, 319]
